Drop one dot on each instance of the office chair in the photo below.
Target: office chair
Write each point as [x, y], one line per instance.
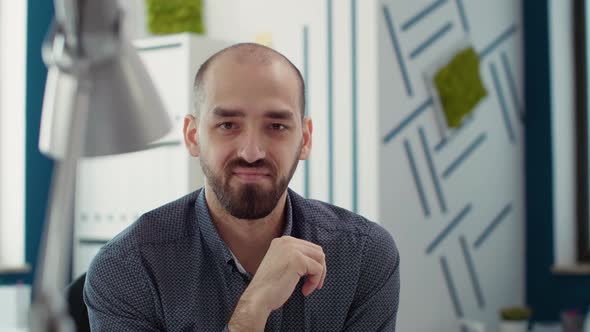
[77, 307]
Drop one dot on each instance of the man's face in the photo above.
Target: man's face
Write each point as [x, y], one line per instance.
[250, 135]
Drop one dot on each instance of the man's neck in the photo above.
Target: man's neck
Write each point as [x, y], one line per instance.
[247, 239]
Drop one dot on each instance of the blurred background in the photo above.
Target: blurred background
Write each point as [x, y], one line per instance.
[459, 125]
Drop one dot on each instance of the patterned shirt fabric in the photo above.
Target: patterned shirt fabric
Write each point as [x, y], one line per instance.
[171, 271]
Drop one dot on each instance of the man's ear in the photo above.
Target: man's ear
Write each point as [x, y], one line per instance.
[190, 130]
[307, 131]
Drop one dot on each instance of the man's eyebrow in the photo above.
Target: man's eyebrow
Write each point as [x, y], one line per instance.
[226, 113]
[279, 115]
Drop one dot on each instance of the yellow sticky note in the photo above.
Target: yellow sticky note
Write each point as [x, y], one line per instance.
[264, 38]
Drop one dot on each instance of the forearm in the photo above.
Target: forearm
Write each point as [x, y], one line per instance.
[248, 316]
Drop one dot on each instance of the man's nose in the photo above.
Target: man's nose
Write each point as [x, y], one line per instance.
[251, 148]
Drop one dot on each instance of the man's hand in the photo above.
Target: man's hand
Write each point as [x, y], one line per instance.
[286, 261]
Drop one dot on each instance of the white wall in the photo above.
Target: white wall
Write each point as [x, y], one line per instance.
[563, 130]
[13, 23]
[14, 307]
[135, 20]
[458, 277]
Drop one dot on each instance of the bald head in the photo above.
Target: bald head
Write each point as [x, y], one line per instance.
[244, 54]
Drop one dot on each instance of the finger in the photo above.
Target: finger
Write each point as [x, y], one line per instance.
[318, 256]
[303, 242]
[310, 244]
[315, 254]
[314, 273]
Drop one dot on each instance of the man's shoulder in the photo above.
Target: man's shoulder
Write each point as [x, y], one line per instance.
[316, 213]
[167, 223]
[344, 231]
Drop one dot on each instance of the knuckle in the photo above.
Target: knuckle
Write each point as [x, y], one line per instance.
[300, 257]
[315, 245]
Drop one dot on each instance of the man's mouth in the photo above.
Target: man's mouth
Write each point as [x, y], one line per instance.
[251, 174]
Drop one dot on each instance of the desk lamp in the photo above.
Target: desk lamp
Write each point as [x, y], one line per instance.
[99, 100]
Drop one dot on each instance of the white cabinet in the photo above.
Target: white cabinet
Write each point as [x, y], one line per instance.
[113, 191]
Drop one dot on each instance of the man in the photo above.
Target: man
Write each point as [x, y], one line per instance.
[245, 253]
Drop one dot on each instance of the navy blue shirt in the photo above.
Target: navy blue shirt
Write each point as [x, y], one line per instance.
[171, 271]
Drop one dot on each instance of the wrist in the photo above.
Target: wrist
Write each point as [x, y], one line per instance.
[250, 314]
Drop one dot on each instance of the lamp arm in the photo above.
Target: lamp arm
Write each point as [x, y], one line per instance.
[67, 17]
[49, 310]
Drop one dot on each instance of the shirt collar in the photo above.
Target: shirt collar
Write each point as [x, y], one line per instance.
[210, 234]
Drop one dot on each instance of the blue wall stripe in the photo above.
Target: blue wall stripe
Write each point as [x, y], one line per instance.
[496, 42]
[395, 131]
[464, 155]
[306, 166]
[437, 187]
[446, 140]
[445, 232]
[38, 168]
[330, 105]
[472, 273]
[422, 14]
[398, 52]
[354, 102]
[464, 21]
[441, 145]
[451, 287]
[492, 226]
[431, 40]
[502, 101]
[417, 180]
[512, 85]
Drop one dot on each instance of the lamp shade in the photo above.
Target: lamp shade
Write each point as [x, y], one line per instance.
[124, 110]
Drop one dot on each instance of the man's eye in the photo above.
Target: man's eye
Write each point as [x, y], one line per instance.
[278, 127]
[227, 125]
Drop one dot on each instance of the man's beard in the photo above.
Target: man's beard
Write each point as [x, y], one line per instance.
[250, 200]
